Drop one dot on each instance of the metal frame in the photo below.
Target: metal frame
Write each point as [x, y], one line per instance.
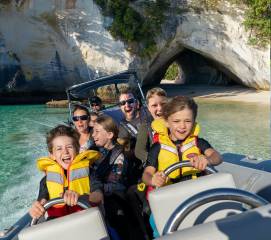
[55, 201]
[173, 167]
[118, 78]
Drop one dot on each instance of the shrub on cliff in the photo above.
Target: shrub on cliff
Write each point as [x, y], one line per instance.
[138, 31]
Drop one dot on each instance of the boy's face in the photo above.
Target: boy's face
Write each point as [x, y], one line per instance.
[101, 137]
[96, 107]
[155, 104]
[180, 124]
[63, 151]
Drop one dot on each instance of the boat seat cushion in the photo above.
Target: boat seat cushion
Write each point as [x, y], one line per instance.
[165, 200]
[250, 225]
[87, 224]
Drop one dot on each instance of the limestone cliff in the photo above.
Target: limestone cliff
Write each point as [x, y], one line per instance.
[50, 45]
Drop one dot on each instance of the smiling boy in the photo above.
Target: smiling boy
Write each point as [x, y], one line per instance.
[66, 172]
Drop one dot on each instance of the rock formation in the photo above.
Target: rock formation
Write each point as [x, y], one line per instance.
[50, 45]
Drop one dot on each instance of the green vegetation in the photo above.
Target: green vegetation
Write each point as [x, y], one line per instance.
[258, 20]
[172, 72]
[138, 31]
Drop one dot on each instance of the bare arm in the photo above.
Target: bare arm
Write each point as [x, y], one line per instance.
[214, 158]
[152, 178]
[210, 157]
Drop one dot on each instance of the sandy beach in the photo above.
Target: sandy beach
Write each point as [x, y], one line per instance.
[219, 93]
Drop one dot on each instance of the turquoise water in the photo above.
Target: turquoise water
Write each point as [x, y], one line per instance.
[22, 141]
[229, 127]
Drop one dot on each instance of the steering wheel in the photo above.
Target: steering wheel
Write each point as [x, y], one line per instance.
[207, 196]
[182, 164]
[52, 202]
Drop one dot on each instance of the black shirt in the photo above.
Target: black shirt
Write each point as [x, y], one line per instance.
[152, 160]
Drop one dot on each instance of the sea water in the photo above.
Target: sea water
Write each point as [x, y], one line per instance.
[229, 127]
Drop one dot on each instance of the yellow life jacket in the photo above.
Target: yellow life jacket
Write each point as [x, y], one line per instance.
[168, 154]
[77, 174]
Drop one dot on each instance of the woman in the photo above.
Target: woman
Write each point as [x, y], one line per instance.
[81, 120]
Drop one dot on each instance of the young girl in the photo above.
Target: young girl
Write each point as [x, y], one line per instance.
[178, 140]
[81, 120]
[109, 174]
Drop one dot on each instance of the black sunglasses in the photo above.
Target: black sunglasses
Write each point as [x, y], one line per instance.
[94, 104]
[129, 101]
[77, 118]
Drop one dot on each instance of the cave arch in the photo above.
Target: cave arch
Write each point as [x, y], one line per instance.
[195, 68]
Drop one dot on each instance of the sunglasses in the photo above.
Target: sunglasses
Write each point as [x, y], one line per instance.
[77, 118]
[94, 104]
[129, 101]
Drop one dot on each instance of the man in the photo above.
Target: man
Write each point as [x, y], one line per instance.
[96, 104]
[129, 125]
[128, 130]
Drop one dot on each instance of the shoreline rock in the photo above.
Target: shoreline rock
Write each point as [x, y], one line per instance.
[57, 103]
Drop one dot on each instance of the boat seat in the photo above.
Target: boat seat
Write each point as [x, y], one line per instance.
[165, 200]
[87, 224]
[250, 225]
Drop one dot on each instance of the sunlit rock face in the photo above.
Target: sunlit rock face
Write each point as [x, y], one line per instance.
[218, 35]
[50, 45]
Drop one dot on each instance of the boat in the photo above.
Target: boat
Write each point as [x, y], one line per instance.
[233, 201]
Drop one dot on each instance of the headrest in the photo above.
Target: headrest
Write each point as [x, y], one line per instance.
[165, 200]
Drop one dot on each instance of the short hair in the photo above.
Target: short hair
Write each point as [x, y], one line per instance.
[109, 125]
[62, 130]
[155, 91]
[80, 107]
[179, 103]
[126, 90]
[95, 99]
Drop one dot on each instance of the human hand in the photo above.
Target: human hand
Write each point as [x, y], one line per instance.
[70, 197]
[37, 209]
[199, 162]
[158, 179]
[96, 197]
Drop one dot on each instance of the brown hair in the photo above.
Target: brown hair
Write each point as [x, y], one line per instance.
[155, 91]
[93, 114]
[80, 107]
[179, 103]
[127, 90]
[62, 130]
[109, 125]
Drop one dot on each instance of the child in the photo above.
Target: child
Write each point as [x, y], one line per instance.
[155, 98]
[93, 118]
[178, 140]
[66, 172]
[109, 174]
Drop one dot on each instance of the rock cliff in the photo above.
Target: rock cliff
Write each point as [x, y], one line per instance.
[50, 45]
